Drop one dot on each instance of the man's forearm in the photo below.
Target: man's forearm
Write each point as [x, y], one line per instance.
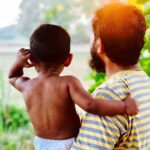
[16, 71]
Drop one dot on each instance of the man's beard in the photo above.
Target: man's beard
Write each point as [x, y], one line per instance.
[96, 63]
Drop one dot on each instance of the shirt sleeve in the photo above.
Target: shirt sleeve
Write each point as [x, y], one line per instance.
[102, 133]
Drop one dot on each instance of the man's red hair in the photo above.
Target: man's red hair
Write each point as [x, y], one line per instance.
[121, 28]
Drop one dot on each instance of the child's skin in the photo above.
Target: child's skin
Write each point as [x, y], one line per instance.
[50, 99]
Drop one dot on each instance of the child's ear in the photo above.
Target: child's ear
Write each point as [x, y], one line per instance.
[32, 61]
[68, 60]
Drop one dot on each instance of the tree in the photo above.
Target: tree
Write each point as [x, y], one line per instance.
[74, 15]
[31, 15]
[70, 15]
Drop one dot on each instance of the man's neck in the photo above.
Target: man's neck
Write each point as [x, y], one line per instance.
[112, 68]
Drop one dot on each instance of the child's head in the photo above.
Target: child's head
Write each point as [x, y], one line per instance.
[50, 45]
[121, 29]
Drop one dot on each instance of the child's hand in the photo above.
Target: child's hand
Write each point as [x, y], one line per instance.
[23, 57]
[131, 106]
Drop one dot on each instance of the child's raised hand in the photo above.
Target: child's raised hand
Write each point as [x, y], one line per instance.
[23, 57]
[131, 106]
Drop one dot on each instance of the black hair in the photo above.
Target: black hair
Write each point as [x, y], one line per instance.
[50, 45]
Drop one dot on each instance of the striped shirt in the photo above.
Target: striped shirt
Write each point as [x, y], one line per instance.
[119, 132]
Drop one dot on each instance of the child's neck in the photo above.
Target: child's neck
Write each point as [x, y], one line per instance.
[53, 71]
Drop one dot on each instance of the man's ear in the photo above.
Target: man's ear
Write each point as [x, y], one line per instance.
[99, 47]
[68, 60]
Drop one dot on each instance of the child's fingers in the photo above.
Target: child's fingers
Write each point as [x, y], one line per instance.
[28, 55]
[22, 50]
[26, 51]
[129, 95]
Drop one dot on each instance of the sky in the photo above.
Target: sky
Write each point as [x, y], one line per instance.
[9, 11]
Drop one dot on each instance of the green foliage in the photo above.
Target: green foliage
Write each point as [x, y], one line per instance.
[13, 118]
[18, 140]
[50, 14]
[97, 79]
[15, 128]
[145, 63]
[1, 103]
[147, 8]
[141, 1]
[147, 17]
[145, 55]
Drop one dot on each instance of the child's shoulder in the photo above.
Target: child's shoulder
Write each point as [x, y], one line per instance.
[70, 78]
[72, 81]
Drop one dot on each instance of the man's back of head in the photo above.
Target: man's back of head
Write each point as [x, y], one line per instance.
[121, 28]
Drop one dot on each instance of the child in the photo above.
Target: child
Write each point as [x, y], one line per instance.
[50, 98]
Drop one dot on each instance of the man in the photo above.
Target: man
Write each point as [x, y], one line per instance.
[119, 31]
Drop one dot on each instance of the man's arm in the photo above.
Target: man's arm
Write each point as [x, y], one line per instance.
[16, 72]
[99, 106]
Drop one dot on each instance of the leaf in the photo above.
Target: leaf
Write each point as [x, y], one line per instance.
[147, 18]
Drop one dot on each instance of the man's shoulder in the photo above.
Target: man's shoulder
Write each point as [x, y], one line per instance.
[119, 84]
[115, 87]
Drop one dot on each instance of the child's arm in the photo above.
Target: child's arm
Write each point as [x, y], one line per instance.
[99, 106]
[16, 72]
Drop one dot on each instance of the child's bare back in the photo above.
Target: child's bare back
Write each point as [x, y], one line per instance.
[50, 107]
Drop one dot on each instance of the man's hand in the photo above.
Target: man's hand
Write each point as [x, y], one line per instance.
[23, 57]
[131, 106]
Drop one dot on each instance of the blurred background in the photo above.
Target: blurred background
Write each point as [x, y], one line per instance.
[18, 19]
